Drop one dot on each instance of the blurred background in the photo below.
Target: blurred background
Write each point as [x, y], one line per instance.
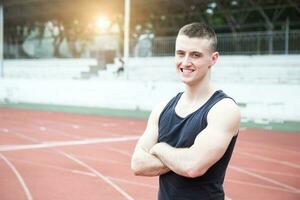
[116, 57]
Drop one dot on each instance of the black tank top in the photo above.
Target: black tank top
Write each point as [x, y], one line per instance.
[181, 132]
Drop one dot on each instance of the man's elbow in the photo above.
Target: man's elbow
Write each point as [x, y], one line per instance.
[194, 172]
[135, 167]
[136, 171]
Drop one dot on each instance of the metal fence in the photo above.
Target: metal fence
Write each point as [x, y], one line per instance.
[250, 43]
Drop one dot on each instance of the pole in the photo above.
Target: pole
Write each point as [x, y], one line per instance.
[270, 36]
[126, 35]
[1, 39]
[287, 30]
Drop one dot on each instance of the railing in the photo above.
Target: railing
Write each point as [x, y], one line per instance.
[250, 43]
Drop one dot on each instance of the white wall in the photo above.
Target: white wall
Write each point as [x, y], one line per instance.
[46, 68]
[279, 69]
[107, 93]
[267, 86]
[266, 101]
[247, 69]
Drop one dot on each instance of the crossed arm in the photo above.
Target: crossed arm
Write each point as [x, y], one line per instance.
[208, 148]
[143, 163]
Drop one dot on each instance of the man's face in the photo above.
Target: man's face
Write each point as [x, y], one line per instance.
[193, 58]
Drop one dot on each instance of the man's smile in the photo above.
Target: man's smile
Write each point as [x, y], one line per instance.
[186, 70]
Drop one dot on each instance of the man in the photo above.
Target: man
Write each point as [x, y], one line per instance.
[189, 140]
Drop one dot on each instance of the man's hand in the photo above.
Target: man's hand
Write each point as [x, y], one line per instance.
[145, 164]
[156, 148]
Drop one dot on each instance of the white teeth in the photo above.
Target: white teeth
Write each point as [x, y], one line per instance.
[187, 70]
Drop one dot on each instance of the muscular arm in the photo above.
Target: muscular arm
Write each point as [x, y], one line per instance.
[143, 163]
[209, 146]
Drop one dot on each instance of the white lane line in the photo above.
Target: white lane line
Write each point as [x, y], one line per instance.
[26, 137]
[84, 173]
[104, 178]
[54, 167]
[67, 143]
[256, 150]
[257, 185]
[90, 174]
[272, 172]
[105, 160]
[271, 148]
[5, 130]
[19, 177]
[241, 170]
[63, 133]
[42, 130]
[119, 151]
[286, 163]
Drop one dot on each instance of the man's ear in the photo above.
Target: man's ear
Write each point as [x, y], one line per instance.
[214, 57]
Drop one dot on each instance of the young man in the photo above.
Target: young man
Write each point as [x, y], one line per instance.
[189, 140]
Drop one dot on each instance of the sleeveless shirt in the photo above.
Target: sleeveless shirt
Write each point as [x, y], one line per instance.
[180, 133]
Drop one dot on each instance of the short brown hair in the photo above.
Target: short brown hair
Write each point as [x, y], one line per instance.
[200, 30]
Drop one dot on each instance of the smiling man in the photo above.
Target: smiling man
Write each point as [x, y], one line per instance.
[189, 140]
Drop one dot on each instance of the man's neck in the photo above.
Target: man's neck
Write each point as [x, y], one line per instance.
[200, 91]
[194, 94]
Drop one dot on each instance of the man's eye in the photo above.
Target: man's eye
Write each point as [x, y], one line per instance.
[196, 55]
[180, 53]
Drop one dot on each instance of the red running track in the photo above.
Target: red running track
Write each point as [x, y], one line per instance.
[47, 155]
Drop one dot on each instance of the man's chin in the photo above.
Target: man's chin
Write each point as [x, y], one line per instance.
[186, 81]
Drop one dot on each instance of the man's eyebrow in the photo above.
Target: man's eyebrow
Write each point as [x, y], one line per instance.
[196, 52]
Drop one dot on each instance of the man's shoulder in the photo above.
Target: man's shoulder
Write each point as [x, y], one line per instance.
[226, 105]
[225, 113]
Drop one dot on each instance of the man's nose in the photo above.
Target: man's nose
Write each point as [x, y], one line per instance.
[186, 60]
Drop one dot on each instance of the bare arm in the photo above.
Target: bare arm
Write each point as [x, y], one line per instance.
[209, 146]
[143, 163]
